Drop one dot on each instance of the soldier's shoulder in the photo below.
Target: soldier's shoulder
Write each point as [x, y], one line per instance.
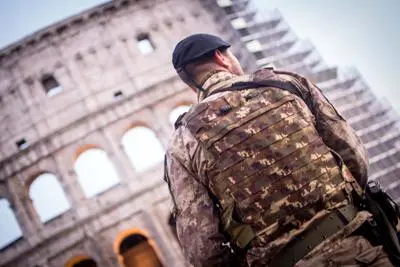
[182, 119]
[181, 139]
[271, 72]
[187, 118]
[179, 121]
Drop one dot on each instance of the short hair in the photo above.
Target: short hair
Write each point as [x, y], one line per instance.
[194, 71]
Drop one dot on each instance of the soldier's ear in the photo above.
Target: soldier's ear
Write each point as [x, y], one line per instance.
[221, 59]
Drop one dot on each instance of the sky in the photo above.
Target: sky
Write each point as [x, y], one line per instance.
[361, 33]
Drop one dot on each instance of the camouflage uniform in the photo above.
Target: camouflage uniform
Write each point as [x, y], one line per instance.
[213, 170]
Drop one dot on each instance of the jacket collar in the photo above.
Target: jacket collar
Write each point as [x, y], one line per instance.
[221, 79]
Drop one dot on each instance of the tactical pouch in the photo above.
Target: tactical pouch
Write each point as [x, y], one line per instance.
[241, 234]
[388, 206]
[384, 210]
[386, 214]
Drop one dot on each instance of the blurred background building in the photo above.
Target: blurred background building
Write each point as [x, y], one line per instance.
[87, 107]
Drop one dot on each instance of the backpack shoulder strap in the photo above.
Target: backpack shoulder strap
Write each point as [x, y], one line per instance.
[287, 86]
[179, 120]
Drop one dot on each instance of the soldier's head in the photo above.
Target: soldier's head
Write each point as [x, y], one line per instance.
[197, 55]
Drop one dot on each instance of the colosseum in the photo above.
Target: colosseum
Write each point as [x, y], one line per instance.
[87, 107]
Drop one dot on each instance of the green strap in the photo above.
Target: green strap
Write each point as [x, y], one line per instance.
[241, 234]
[347, 176]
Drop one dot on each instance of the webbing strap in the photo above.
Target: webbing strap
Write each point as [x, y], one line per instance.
[241, 234]
[346, 174]
[287, 86]
[312, 237]
[238, 86]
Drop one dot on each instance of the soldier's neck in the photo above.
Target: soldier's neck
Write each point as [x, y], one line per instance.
[218, 79]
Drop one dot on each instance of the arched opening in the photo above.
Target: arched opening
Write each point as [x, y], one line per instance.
[134, 249]
[48, 197]
[143, 148]
[176, 112]
[81, 261]
[95, 171]
[10, 230]
[86, 263]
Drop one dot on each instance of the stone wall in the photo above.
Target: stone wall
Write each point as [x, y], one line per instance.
[108, 87]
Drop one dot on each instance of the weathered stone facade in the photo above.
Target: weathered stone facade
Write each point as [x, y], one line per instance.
[109, 87]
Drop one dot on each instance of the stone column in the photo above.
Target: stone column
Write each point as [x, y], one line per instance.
[162, 128]
[117, 156]
[77, 77]
[70, 183]
[22, 206]
[95, 244]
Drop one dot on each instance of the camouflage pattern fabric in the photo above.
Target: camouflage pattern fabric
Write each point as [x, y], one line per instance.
[333, 129]
[340, 249]
[351, 251]
[264, 152]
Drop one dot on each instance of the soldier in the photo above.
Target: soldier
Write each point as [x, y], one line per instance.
[263, 171]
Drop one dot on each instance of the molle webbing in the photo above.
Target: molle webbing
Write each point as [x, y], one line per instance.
[287, 86]
[267, 165]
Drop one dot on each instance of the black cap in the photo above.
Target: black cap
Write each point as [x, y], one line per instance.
[194, 47]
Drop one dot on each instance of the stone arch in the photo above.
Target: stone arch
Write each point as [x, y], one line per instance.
[178, 110]
[10, 228]
[84, 148]
[133, 249]
[143, 147]
[47, 196]
[95, 171]
[81, 261]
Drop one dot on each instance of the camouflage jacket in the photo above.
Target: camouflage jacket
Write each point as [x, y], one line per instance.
[198, 219]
